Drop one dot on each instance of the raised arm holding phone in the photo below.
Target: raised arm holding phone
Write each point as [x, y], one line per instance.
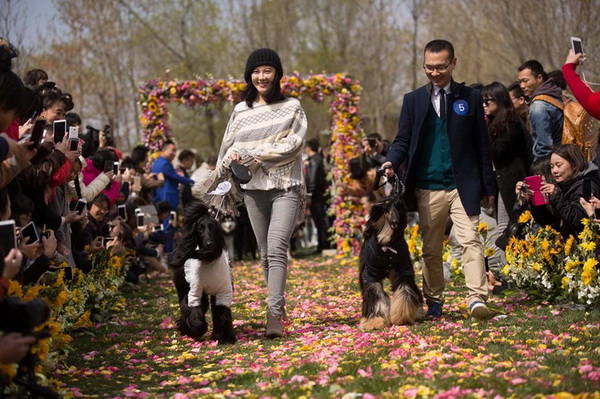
[588, 99]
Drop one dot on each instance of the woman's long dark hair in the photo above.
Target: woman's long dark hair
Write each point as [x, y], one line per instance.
[506, 110]
[249, 94]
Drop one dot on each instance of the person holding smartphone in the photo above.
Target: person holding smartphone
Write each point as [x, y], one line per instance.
[574, 178]
[588, 99]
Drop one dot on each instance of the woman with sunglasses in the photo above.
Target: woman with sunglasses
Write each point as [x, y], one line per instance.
[511, 146]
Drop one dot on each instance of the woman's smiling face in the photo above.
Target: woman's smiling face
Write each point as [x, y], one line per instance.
[262, 78]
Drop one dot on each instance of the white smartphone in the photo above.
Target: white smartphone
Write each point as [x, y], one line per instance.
[576, 45]
[8, 236]
[73, 132]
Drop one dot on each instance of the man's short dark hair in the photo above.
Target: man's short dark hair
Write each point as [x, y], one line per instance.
[186, 154]
[313, 144]
[516, 88]
[535, 67]
[558, 79]
[167, 142]
[163, 207]
[439, 45]
[73, 118]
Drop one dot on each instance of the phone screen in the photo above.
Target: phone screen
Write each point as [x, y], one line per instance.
[37, 133]
[73, 144]
[577, 46]
[586, 189]
[115, 168]
[81, 204]
[122, 213]
[108, 166]
[30, 231]
[140, 219]
[60, 129]
[68, 273]
[8, 238]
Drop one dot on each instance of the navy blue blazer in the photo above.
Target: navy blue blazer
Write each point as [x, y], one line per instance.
[468, 136]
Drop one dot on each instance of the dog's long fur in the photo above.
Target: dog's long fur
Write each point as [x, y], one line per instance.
[384, 255]
[203, 240]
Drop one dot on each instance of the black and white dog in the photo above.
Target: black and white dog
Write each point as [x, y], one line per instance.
[201, 270]
[385, 254]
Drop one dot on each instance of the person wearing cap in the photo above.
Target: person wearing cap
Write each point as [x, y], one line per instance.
[266, 134]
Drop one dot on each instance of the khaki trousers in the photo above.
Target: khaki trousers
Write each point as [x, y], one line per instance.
[434, 208]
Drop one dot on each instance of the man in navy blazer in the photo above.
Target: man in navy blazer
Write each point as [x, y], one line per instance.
[170, 190]
[443, 144]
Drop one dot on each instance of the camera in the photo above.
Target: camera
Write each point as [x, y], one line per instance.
[372, 143]
[22, 317]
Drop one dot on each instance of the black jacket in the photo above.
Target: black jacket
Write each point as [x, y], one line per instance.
[564, 212]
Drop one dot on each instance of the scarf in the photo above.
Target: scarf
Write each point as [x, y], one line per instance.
[269, 139]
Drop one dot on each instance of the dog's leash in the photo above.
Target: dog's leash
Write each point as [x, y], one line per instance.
[397, 185]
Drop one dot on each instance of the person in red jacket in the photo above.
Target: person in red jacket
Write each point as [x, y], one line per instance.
[588, 99]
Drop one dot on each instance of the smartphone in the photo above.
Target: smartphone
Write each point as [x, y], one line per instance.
[8, 236]
[137, 182]
[137, 210]
[121, 211]
[105, 240]
[172, 215]
[157, 227]
[115, 168]
[73, 144]
[597, 213]
[37, 133]
[73, 132]
[139, 219]
[68, 273]
[576, 44]
[60, 130]
[586, 189]
[30, 231]
[34, 115]
[535, 184]
[80, 206]
[108, 166]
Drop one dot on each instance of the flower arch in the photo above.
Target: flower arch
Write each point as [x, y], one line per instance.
[154, 97]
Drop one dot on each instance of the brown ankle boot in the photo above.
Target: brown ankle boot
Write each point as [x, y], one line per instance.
[274, 328]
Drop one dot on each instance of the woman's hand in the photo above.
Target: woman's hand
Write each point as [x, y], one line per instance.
[573, 58]
[548, 188]
[235, 156]
[523, 191]
[590, 206]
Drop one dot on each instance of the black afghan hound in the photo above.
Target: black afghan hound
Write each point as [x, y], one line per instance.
[201, 269]
[385, 254]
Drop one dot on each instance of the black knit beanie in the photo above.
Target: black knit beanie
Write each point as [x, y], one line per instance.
[262, 56]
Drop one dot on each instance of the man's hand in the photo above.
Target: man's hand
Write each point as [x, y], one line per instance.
[488, 201]
[389, 168]
[14, 347]
[73, 217]
[49, 243]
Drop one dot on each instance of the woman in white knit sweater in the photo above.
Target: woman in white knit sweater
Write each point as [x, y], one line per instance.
[266, 133]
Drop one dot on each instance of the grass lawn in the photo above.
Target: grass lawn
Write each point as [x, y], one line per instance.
[534, 349]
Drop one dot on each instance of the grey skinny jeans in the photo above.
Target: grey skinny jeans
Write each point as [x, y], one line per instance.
[273, 216]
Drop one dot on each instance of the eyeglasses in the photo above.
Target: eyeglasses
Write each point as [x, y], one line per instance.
[487, 101]
[439, 68]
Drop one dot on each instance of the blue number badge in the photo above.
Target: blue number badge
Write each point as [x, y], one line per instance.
[461, 107]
